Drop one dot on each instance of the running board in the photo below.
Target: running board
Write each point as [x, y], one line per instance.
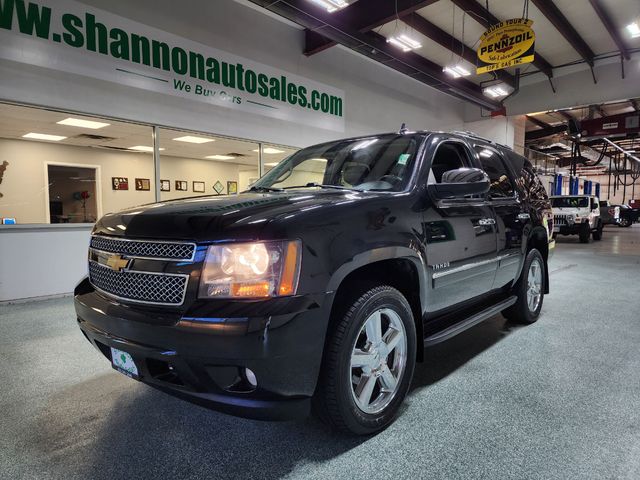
[469, 322]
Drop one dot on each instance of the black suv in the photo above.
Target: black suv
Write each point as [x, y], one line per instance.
[320, 285]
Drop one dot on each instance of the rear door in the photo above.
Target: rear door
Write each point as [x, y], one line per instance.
[461, 238]
[512, 219]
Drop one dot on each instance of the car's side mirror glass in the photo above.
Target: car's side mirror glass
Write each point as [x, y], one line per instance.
[459, 183]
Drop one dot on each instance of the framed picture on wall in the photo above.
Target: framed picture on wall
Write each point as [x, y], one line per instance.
[120, 183]
[143, 184]
[198, 187]
[182, 186]
[165, 186]
[232, 187]
[218, 187]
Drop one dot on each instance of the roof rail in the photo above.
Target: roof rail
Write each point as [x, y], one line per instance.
[471, 134]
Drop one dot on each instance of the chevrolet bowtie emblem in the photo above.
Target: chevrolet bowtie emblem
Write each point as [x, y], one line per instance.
[117, 263]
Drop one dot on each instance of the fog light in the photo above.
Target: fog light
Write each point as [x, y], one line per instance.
[251, 377]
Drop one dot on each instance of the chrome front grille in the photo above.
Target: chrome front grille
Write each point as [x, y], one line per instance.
[560, 220]
[140, 287]
[159, 250]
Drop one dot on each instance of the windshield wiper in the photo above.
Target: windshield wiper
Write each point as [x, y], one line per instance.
[265, 189]
[320, 185]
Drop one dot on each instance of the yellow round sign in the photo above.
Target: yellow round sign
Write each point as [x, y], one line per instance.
[505, 44]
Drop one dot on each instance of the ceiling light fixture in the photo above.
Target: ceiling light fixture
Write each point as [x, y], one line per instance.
[143, 148]
[331, 5]
[44, 136]
[634, 29]
[269, 150]
[271, 164]
[192, 139]
[220, 157]
[404, 42]
[78, 122]
[456, 71]
[496, 91]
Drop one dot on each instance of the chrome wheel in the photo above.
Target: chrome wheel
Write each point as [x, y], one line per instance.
[534, 285]
[378, 360]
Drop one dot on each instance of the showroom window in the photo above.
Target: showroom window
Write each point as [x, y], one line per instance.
[194, 164]
[58, 167]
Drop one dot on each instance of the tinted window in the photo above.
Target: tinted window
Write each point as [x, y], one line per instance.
[448, 156]
[531, 187]
[494, 166]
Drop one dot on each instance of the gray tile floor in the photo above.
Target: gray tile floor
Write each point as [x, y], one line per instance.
[559, 399]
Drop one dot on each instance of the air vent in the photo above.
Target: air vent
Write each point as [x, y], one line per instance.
[88, 136]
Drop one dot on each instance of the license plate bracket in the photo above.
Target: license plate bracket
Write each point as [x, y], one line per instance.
[124, 363]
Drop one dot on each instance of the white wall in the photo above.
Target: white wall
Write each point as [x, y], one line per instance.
[41, 262]
[507, 131]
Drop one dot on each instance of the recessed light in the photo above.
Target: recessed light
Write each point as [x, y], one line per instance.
[192, 139]
[78, 122]
[143, 148]
[44, 136]
[220, 157]
[331, 5]
[269, 150]
[634, 29]
[404, 42]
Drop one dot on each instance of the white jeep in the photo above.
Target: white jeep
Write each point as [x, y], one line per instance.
[577, 215]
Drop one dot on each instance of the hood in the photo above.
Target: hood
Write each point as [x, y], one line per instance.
[218, 217]
[569, 210]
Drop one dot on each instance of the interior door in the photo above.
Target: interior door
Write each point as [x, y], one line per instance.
[461, 236]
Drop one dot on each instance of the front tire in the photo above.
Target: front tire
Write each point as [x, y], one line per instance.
[368, 363]
[529, 289]
[585, 233]
[597, 233]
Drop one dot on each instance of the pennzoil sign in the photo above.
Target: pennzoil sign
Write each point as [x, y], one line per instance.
[505, 44]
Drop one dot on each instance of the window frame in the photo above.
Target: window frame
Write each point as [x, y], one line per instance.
[465, 146]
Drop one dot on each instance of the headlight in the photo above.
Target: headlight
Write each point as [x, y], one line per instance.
[251, 270]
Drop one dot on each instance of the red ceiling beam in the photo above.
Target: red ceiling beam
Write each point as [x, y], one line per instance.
[555, 16]
[486, 19]
[429, 30]
[614, 32]
[363, 16]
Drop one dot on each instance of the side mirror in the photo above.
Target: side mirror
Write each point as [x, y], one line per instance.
[460, 183]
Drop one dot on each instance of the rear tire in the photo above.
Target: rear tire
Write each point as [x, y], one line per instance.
[585, 233]
[368, 363]
[529, 289]
[624, 222]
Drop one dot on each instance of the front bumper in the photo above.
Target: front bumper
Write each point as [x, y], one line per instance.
[202, 359]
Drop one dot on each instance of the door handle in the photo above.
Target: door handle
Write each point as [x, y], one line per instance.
[486, 221]
[524, 216]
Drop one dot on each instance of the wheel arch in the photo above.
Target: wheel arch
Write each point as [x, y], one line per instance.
[399, 267]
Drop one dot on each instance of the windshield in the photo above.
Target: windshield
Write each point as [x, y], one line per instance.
[570, 202]
[382, 162]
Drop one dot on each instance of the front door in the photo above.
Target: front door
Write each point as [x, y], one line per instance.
[460, 236]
